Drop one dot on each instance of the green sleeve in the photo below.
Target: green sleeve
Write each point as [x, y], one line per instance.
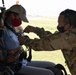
[41, 32]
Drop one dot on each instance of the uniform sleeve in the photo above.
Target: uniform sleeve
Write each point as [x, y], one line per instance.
[53, 42]
[38, 44]
[60, 43]
[41, 32]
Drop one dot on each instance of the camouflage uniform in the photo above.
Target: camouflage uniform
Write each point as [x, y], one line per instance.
[65, 41]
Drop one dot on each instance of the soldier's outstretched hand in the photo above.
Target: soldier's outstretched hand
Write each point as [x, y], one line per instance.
[29, 29]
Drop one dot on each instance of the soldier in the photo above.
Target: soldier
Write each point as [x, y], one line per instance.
[64, 39]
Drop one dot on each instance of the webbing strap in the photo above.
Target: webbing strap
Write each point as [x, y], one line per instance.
[13, 50]
[14, 56]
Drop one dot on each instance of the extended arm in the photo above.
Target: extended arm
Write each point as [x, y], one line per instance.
[39, 31]
[51, 42]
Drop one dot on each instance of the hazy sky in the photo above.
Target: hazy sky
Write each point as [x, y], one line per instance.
[43, 7]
